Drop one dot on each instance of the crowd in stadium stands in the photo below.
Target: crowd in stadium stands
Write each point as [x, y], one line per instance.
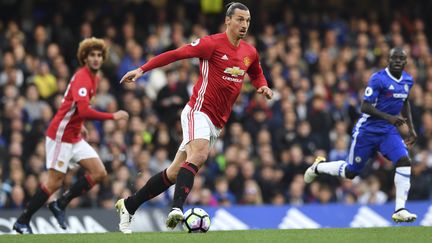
[317, 64]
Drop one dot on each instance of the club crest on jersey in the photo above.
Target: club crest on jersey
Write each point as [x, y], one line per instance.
[368, 91]
[235, 71]
[246, 61]
[82, 92]
[406, 87]
[195, 42]
[60, 163]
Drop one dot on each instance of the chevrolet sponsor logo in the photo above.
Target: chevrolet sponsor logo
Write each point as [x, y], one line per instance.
[400, 96]
[235, 71]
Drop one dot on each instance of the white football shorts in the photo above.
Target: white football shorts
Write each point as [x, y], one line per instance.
[60, 156]
[197, 125]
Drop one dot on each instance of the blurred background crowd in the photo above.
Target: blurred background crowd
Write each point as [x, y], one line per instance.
[317, 57]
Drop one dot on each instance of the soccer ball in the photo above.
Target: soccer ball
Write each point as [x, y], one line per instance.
[196, 220]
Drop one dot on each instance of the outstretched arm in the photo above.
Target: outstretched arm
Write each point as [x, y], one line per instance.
[157, 61]
[201, 48]
[80, 87]
[86, 112]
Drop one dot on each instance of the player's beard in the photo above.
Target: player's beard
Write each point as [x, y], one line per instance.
[94, 68]
[242, 35]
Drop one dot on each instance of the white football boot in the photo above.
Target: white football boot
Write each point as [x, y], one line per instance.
[174, 217]
[125, 217]
[310, 173]
[402, 215]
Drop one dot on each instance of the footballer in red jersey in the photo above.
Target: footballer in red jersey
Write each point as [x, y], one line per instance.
[225, 59]
[64, 143]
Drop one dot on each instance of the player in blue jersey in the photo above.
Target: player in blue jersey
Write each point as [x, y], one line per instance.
[385, 107]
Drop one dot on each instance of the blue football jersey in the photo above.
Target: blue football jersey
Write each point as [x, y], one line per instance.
[388, 95]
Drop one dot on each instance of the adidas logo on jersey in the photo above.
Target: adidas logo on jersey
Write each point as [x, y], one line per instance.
[391, 87]
[224, 57]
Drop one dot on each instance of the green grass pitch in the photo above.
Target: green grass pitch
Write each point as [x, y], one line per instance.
[364, 235]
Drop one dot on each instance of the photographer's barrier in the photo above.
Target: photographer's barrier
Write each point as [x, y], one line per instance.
[228, 218]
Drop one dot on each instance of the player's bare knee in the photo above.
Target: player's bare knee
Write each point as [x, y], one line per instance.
[99, 175]
[103, 174]
[172, 178]
[198, 158]
[54, 184]
[404, 161]
[172, 172]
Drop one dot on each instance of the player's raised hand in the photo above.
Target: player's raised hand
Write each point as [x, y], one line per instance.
[119, 115]
[132, 76]
[266, 91]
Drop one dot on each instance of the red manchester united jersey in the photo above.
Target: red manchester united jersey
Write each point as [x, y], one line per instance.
[75, 108]
[223, 67]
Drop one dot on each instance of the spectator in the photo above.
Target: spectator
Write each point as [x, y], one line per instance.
[222, 194]
[373, 193]
[171, 99]
[10, 73]
[45, 81]
[340, 151]
[40, 42]
[252, 193]
[133, 59]
[33, 106]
